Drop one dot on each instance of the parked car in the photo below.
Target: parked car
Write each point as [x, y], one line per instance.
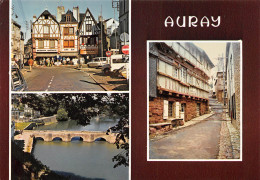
[116, 62]
[97, 62]
[18, 82]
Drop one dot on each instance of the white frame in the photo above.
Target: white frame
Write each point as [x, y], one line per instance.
[241, 97]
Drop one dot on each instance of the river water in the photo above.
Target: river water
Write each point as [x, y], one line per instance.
[80, 159]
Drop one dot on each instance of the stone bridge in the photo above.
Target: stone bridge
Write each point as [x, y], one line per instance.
[87, 136]
[47, 135]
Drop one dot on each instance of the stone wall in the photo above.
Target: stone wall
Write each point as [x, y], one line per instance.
[50, 119]
[236, 50]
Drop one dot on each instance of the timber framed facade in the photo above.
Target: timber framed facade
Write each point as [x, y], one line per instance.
[69, 38]
[76, 35]
[88, 35]
[178, 81]
[45, 36]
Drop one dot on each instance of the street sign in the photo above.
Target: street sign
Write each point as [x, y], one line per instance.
[125, 49]
[108, 53]
[124, 37]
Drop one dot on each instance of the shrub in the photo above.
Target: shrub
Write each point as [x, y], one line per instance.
[62, 115]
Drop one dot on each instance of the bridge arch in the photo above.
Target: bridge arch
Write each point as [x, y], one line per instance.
[76, 138]
[57, 139]
[39, 138]
[100, 139]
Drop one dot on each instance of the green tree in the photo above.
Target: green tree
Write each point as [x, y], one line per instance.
[62, 115]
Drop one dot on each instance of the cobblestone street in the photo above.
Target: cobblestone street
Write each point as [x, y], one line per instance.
[213, 137]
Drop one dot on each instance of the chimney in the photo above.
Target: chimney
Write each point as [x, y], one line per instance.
[60, 11]
[34, 18]
[76, 13]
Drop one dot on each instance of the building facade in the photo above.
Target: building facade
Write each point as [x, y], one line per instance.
[220, 87]
[233, 82]
[178, 81]
[69, 38]
[17, 42]
[124, 16]
[45, 37]
[88, 35]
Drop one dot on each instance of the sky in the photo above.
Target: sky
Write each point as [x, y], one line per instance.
[213, 50]
[26, 9]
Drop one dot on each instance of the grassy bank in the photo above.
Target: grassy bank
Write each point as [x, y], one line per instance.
[21, 125]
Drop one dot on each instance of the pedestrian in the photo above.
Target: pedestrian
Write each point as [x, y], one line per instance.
[68, 60]
[48, 62]
[52, 61]
[30, 62]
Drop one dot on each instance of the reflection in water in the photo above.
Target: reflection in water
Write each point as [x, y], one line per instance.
[89, 160]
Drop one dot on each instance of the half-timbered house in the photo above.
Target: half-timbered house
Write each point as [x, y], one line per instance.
[178, 82]
[88, 35]
[45, 37]
[69, 38]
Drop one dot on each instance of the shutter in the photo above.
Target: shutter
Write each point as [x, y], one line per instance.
[66, 44]
[177, 110]
[71, 44]
[165, 109]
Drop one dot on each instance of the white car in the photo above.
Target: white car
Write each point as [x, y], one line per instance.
[97, 62]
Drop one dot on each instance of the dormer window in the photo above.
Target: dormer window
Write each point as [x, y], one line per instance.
[68, 18]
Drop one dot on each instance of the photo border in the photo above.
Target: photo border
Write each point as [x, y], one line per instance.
[241, 101]
[10, 92]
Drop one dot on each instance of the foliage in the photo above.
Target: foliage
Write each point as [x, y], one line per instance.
[21, 107]
[62, 115]
[27, 114]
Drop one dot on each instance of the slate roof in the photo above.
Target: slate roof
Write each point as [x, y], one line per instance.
[63, 17]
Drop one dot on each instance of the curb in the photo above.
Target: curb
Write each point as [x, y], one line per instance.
[98, 83]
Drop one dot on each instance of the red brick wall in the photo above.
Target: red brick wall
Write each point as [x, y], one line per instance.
[156, 108]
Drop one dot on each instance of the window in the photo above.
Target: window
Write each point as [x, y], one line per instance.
[46, 29]
[40, 44]
[68, 44]
[46, 17]
[52, 43]
[183, 106]
[68, 30]
[170, 109]
[71, 30]
[68, 18]
[88, 27]
[176, 73]
[183, 74]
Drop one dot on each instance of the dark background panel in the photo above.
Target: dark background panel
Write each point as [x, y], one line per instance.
[4, 90]
[239, 20]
